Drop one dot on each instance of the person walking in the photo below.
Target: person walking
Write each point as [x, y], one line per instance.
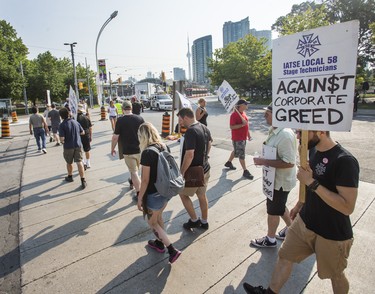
[48, 120]
[126, 130]
[284, 141]
[112, 111]
[70, 132]
[149, 200]
[54, 116]
[201, 111]
[38, 126]
[321, 225]
[195, 149]
[86, 138]
[137, 106]
[239, 125]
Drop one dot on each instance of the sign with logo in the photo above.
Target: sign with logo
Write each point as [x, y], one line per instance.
[73, 103]
[102, 70]
[313, 78]
[227, 96]
[269, 152]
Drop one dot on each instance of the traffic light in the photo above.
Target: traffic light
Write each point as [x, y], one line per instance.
[80, 85]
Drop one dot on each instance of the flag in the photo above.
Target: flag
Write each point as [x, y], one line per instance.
[184, 102]
[73, 103]
[227, 96]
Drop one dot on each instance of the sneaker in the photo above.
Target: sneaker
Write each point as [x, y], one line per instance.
[253, 290]
[39, 151]
[247, 175]
[69, 179]
[190, 224]
[230, 165]
[157, 245]
[263, 243]
[173, 257]
[131, 187]
[50, 139]
[282, 234]
[57, 144]
[83, 184]
[204, 226]
[44, 150]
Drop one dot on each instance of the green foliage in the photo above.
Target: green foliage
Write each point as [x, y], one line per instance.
[245, 65]
[12, 52]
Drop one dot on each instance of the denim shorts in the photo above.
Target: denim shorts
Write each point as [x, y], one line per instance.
[155, 201]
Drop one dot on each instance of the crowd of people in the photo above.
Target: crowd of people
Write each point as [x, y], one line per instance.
[321, 225]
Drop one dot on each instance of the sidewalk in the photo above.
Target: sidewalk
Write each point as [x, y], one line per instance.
[94, 240]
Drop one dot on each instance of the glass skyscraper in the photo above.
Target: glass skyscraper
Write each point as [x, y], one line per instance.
[201, 50]
[233, 31]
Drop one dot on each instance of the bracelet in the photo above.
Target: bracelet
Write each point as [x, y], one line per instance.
[313, 186]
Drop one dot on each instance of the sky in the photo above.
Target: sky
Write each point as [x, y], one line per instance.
[146, 36]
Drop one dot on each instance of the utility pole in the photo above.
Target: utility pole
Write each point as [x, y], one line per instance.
[110, 86]
[72, 45]
[24, 90]
[88, 85]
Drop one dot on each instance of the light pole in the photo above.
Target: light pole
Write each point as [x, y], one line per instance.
[113, 15]
[72, 45]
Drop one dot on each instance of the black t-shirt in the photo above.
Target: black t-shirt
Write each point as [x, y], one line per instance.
[203, 119]
[85, 122]
[335, 167]
[196, 138]
[150, 158]
[127, 128]
[136, 108]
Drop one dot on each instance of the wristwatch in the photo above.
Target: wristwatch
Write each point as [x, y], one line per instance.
[313, 186]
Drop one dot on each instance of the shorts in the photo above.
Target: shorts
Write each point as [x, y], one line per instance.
[86, 143]
[132, 161]
[55, 129]
[239, 149]
[277, 205]
[73, 154]
[300, 243]
[191, 191]
[155, 201]
[112, 117]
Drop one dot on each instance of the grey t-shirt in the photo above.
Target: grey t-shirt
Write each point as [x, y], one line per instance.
[36, 120]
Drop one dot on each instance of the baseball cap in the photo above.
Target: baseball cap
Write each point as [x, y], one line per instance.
[126, 104]
[269, 107]
[242, 102]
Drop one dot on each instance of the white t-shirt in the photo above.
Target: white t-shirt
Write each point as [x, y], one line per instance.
[112, 111]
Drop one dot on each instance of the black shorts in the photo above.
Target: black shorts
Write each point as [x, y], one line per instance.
[86, 143]
[277, 205]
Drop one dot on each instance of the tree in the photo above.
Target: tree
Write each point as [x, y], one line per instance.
[245, 64]
[304, 16]
[12, 52]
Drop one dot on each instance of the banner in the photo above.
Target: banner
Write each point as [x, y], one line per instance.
[48, 97]
[73, 103]
[102, 70]
[313, 78]
[184, 102]
[227, 96]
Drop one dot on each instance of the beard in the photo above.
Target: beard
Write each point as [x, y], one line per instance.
[313, 141]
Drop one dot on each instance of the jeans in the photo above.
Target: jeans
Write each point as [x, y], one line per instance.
[40, 134]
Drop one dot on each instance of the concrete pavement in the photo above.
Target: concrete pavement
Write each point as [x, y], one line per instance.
[94, 240]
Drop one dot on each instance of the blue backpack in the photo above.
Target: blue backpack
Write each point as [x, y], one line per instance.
[169, 180]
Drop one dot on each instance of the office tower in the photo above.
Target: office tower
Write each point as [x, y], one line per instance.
[233, 31]
[188, 55]
[179, 74]
[201, 49]
[267, 34]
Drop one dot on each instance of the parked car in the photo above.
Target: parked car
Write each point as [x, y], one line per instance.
[145, 101]
[161, 102]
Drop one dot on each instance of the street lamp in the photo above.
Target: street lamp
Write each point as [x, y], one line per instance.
[72, 45]
[113, 15]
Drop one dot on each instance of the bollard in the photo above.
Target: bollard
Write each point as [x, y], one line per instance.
[103, 113]
[5, 130]
[165, 125]
[14, 117]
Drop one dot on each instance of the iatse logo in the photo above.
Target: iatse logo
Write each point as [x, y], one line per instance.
[307, 45]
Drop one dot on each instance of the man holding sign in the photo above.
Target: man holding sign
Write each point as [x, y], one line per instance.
[239, 125]
[284, 141]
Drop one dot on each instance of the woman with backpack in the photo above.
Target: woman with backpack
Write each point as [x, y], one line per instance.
[149, 200]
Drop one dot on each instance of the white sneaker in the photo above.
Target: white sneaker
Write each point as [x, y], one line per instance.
[44, 150]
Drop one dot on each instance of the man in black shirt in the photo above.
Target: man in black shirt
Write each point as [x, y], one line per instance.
[126, 130]
[321, 225]
[196, 146]
[86, 138]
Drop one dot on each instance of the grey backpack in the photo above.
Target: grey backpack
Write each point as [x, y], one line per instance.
[169, 180]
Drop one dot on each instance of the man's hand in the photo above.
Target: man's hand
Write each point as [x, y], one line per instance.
[139, 204]
[305, 176]
[31, 132]
[113, 152]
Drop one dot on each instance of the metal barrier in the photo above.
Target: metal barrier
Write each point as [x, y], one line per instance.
[5, 130]
[14, 117]
[165, 125]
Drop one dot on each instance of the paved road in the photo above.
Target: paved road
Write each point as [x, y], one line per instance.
[93, 241]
